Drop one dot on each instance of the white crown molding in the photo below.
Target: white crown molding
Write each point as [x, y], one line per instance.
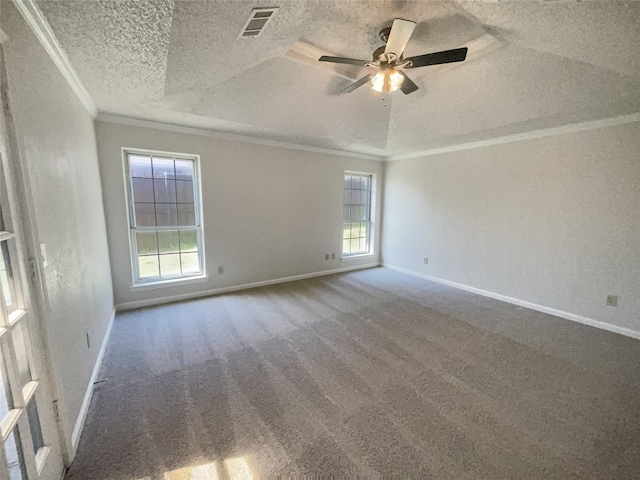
[135, 122]
[38, 24]
[545, 132]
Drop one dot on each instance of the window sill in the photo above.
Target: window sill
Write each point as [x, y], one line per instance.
[357, 257]
[169, 283]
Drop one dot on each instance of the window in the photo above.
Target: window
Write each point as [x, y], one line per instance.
[164, 217]
[356, 237]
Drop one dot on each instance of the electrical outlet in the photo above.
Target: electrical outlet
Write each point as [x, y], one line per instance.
[333, 256]
[426, 260]
[612, 300]
[326, 256]
[220, 270]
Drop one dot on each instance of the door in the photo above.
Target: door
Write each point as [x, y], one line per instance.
[29, 446]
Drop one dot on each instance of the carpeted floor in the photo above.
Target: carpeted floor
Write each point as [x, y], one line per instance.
[370, 373]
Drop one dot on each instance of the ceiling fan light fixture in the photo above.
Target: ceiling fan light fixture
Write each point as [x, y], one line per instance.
[386, 80]
[390, 56]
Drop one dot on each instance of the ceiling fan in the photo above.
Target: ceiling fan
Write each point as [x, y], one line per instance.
[388, 60]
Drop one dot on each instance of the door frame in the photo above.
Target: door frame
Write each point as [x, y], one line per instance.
[29, 273]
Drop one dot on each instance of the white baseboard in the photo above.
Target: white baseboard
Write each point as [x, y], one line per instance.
[206, 293]
[523, 303]
[84, 409]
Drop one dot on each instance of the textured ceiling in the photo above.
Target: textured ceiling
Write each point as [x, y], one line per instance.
[531, 65]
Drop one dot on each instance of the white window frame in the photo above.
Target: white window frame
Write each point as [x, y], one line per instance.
[144, 284]
[372, 212]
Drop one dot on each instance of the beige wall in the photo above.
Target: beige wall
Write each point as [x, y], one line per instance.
[268, 212]
[554, 221]
[57, 148]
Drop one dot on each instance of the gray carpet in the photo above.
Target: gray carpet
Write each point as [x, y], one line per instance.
[371, 373]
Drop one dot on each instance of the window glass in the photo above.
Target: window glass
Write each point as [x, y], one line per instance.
[140, 166]
[166, 215]
[184, 191]
[170, 265]
[148, 266]
[189, 263]
[20, 336]
[2, 227]
[6, 402]
[356, 214]
[164, 190]
[6, 278]
[145, 214]
[15, 459]
[166, 228]
[187, 214]
[163, 168]
[188, 240]
[34, 425]
[168, 241]
[184, 170]
[142, 190]
[147, 243]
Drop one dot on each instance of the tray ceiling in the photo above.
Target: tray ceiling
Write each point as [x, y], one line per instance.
[531, 65]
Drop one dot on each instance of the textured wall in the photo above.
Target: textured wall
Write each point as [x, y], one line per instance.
[268, 212]
[57, 141]
[553, 221]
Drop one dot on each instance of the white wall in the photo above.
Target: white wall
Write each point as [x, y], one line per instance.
[268, 212]
[57, 150]
[554, 221]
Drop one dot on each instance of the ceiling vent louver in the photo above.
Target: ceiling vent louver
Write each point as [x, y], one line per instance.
[257, 21]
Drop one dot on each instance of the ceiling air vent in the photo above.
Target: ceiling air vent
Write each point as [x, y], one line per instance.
[256, 22]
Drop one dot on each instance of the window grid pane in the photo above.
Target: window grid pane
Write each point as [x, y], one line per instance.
[20, 336]
[7, 279]
[6, 400]
[356, 214]
[15, 459]
[34, 425]
[164, 196]
[148, 266]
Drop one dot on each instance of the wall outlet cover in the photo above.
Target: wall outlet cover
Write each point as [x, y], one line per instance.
[612, 300]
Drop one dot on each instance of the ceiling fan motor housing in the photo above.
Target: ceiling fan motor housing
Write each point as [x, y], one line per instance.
[388, 58]
[378, 52]
[384, 34]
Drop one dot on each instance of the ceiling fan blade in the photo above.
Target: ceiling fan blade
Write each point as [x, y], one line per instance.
[350, 61]
[357, 84]
[407, 85]
[401, 31]
[448, 56]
